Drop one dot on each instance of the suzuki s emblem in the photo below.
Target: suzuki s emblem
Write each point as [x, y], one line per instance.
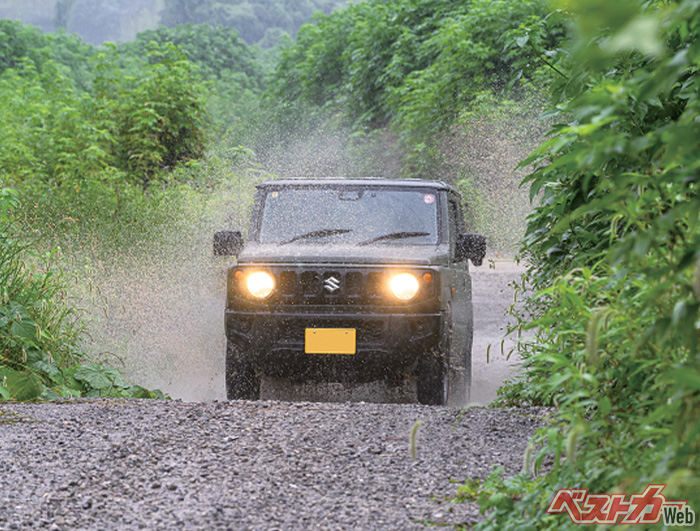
[332, 284]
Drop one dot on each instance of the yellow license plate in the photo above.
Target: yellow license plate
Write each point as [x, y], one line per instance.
[330, 341]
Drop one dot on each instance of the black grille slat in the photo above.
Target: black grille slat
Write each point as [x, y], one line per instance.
[353, 284]
[288, 283]
[374, 284]
[310, 283]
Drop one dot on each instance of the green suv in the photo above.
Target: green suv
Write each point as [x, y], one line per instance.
[352, 280]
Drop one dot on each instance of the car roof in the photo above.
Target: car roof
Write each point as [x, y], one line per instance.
[363, 181]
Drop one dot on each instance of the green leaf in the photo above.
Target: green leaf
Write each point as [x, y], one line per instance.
[25, 330]
[50, 369]
[22, 385]
[689, 378]
[94, 376]
[522, 41]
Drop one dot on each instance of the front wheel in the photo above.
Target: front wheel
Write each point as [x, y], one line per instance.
[444, 376]
[432, 383]
[242, 383]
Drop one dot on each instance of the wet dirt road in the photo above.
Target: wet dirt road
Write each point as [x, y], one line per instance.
[270, 464]
[492, 295]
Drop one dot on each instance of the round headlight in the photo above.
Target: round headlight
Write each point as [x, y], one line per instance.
[260, 284]
[404, 286]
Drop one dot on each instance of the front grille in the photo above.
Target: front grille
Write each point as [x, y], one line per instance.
[335, 286]
[330, 286]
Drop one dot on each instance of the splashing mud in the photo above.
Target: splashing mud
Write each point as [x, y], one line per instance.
[161, 313]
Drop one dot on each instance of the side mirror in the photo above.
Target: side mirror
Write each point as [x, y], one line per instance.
[472, 246]
[227, 243]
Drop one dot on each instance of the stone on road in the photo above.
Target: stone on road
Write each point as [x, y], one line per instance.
[140, 464]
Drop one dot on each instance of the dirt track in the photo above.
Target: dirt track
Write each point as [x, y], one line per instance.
[492, 296]
[130, 464]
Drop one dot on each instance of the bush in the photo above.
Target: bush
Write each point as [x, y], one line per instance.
[129, 126]
[614, 253]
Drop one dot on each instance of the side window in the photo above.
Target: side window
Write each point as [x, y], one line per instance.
[453, 222]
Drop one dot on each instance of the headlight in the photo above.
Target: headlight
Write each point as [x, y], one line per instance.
[404, 286]
[260, 284]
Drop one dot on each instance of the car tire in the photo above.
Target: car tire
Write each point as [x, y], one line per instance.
[445, 376]
[435, 379]
[242, 382]
[432, 384]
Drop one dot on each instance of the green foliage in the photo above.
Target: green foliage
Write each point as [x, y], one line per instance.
[41, 329]
[218, 51]
[58, 137]
[614, 253]
[223, 59]
[313, 68]
[257, 21]
[467, 58]
[67, 54]
[158, 115]
[415, 65]
[35, 324]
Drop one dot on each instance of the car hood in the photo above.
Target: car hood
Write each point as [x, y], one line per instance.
[379, 253]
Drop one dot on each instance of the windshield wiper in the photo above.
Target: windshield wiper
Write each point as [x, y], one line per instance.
[394, 236]
[316, 234]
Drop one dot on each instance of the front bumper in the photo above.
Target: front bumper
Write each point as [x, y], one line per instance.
[388, 345]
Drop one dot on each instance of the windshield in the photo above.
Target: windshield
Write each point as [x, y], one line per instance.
[355, 215]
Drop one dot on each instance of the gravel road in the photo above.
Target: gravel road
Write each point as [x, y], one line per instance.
[97, 464]
[273, 464]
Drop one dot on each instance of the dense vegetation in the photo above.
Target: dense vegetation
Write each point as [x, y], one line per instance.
[218, 51]
[234, 71]
[127, 126]
[257, 21]
[614, 254]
